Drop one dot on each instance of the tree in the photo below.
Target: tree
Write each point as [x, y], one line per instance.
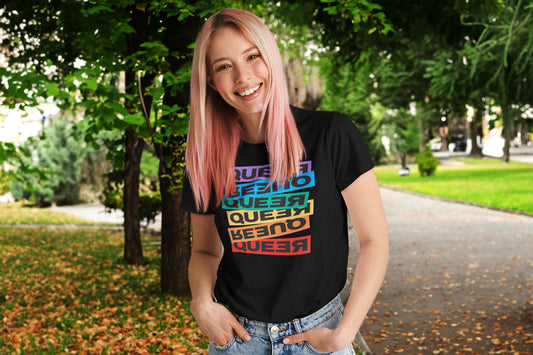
[451, 82]
[60, 155]
[347, 91]
[397, 50]
[106, 39]
[71, 51]
[503, 54]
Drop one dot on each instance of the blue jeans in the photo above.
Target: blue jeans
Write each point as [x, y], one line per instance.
[267, 338]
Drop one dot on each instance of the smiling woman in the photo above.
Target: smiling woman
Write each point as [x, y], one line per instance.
[269, 187]
[237, 43]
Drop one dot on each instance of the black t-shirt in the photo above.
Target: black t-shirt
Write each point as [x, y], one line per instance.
[286, 245]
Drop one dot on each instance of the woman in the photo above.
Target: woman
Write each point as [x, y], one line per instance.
[269, 187]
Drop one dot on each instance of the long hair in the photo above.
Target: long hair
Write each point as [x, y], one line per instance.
[214, 131]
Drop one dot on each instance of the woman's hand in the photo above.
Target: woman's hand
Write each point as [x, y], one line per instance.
[321, 339]
[217, 322]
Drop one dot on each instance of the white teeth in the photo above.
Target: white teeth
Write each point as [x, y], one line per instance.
[248, 92]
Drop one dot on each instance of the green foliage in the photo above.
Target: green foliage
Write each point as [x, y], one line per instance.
[82, 47]
[57, 156]
[149, 172]
[4, 182]
[149, 206]
[7, 151]
[402, 129]
[113, 201]
[427, 163]
[359, 11]
[346, 89]
[18, 191]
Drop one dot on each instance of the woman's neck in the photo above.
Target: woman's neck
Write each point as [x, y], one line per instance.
[252, 131]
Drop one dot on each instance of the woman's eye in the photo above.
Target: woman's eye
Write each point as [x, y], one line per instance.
[254, 56]
[222, 67]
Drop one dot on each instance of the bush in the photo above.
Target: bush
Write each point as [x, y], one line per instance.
[113, 201]
[149, 205]
[427, 163]
[18, 191]
[51, 172]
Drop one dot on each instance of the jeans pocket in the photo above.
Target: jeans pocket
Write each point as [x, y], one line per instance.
[214, 349]
[312, 350]
[348, 351]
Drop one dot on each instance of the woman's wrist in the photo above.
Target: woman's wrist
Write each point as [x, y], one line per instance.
[346, 332]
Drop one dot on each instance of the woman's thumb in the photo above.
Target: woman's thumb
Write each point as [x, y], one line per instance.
[295, 339]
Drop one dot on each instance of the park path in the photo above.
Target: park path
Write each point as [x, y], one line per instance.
[459, 281]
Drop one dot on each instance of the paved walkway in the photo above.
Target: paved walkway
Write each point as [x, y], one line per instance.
[521, 154]
[97, 213]
[459, 281]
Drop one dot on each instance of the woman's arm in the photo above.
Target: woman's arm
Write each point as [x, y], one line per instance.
[215, 321]
[365, 207]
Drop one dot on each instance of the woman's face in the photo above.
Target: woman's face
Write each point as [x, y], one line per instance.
[238, 72]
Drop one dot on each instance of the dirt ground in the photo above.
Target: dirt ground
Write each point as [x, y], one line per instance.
[459, 281]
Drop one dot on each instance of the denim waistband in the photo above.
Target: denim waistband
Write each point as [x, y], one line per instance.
[281, 330]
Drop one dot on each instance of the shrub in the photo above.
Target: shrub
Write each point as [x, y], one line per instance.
[18, 190]
[149, 205]
[427, 163]
[113, 201]
[52, 171]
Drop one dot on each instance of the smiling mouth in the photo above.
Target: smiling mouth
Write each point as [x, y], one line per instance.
[249, 91]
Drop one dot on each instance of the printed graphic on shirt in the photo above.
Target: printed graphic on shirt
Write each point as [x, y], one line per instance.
[263, 216]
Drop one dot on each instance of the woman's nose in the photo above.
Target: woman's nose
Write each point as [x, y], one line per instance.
[242, 73]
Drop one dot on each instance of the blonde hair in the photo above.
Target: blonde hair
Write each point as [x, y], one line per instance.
[214, 131]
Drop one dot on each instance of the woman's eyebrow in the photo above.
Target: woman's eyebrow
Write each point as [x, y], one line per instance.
[243, 52]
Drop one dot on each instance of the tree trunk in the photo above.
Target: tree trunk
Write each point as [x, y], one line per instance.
[506, 117]
[507, 131]
[175, 240]
[133, 253]
[175, 224]
[403, 157]
[475, 131]
[422, 134]
[523, 132]
[443, 133]
[507, 135]
[303, 84]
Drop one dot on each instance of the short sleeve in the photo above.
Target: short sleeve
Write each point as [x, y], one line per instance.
[187, 198]
[348, 151]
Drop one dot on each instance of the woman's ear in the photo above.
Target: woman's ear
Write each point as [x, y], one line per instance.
[211, 84]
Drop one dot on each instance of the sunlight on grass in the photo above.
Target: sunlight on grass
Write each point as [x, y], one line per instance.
[486, 182]
[18, 213]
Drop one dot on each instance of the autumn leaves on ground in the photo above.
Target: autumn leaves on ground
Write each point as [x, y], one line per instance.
[68, 291]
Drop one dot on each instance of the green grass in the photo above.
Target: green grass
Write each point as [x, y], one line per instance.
[18, 213]
[486, 182]
[68, 290]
